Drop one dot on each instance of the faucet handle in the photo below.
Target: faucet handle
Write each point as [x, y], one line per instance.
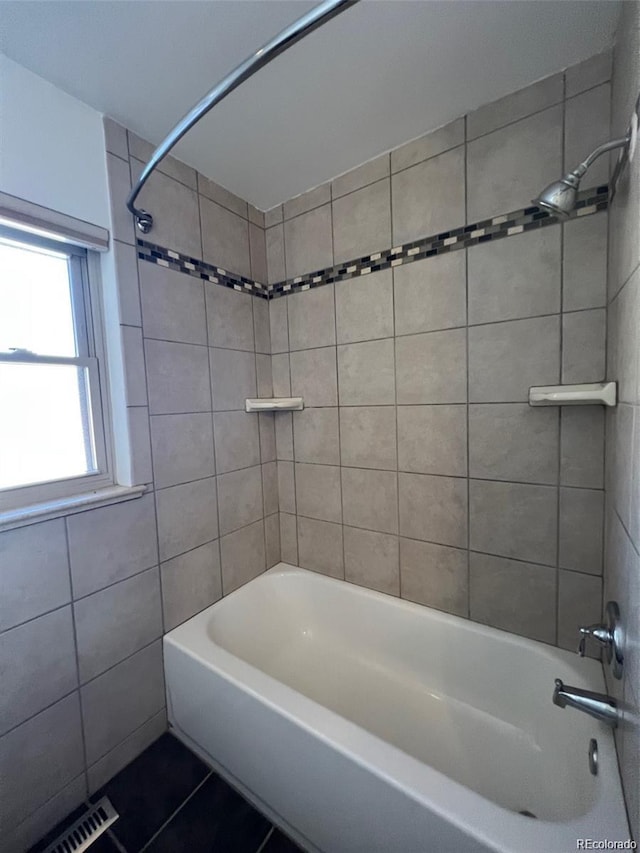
[598, 632]
[608, 635]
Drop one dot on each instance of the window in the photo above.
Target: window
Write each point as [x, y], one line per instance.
[52, 436]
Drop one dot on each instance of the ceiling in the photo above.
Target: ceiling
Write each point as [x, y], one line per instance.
[381, 73]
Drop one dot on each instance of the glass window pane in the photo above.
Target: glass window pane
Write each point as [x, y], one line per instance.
[36, 311]
[45, 431]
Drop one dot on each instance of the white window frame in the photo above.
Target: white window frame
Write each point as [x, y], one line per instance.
[43, 499]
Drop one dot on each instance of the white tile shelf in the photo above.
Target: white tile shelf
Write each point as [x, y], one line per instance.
[274, 404]
[587, 394]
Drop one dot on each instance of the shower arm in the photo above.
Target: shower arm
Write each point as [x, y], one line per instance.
[292, 34]
[580, 170]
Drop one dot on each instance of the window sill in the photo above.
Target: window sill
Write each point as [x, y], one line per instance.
[47, 510]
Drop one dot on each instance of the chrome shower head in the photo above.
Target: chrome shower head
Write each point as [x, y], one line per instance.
[559, 198]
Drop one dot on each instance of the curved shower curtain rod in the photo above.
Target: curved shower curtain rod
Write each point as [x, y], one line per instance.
[296, 31]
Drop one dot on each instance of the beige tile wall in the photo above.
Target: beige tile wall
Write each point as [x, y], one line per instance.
[622, 549]
[417, 466]
[85, 599]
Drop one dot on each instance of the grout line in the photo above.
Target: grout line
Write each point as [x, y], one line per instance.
[623, 285]
[66, 695]
[289, 417]
[578, 572]
[77, 663]
[265, 840]
[133, 229]
[467, 366]
[352, 405]
[115, 583]
[561, 358]
[313, 206]
[197, 412]
[284, 261]
[529, 562]
[138, 284]
[174, 813]
[335, 335]
[339, 466]
[119, 744]
[122, 160]
[611, 298]
[393, 173]
[293, 475]
[162, 172]
[624, 527]
[444, 476]
[262, 493]
[84, 802]
[122, 660]
[251, 275]
[224, 206]
[158, 489]
[442, 329]
[113, 838]
[243, 526]
[557, 103]
[606, 461]
[196, 344]
[39, 615]
[395, 391]
[156, 523]
[609, 340]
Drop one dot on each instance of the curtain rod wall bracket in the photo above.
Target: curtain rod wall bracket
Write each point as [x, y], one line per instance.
[144, 220]
[292, 34]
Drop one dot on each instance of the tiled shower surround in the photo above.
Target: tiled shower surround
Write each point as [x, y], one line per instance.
[416, 467]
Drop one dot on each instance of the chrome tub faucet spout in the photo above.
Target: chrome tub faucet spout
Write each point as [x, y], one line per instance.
[597, 705]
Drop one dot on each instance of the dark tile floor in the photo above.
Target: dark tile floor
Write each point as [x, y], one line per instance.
[170, 801]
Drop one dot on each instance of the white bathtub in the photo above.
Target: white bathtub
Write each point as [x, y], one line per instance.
[362, 723]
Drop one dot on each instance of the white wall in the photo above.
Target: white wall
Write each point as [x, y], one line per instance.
[51, 146]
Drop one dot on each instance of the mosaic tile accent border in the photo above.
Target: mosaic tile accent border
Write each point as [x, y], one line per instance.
[497, 228]
[199, 269]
